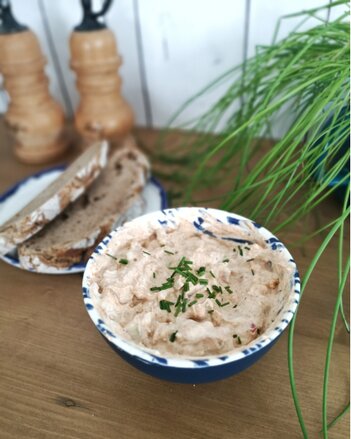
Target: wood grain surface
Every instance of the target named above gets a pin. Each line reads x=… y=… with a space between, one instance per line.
x=58 y=379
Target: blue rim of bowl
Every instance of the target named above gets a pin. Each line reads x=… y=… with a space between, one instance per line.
x=147 y=355
x=76 y=268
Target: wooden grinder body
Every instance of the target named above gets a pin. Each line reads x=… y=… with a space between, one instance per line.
x=34 y=119
x=102 y=111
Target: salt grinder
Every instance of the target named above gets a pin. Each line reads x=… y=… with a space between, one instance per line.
x=34 y=120
x=102 y=111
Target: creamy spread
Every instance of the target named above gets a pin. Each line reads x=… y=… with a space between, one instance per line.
x=181 y=292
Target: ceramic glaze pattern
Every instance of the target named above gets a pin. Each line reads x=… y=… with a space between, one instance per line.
x=196 y=216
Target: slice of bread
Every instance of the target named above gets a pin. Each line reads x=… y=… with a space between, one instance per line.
x=55 y=198
x=71 y=237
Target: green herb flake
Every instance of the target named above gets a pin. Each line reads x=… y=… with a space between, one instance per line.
x=210 y=311
x=258 y=331
x=253 y=273
x=225 y=260
x=185 y=287
x=230 y=291
x=154 y=275
x=165 y=286
x=235 y=306
x=218 y=302
x=247 y=248
x=250 y=260
x=211 y=273
x=240 y=250
x=201 y=271
x=166 y=305
x=123 y=261
x=111 y=256
x=199 y=295
x=239 y=340
x=168 y=252
x=235 y=335
x=203 y=281
x=192 y=303
x=172 y=337
x=147 y=253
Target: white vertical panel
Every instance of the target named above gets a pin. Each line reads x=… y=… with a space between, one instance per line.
x=62 y=16
x=120 y=18
x=27 y=12
x=265 y=15
x=186 y=45
x=65 y=14
x=337 y=11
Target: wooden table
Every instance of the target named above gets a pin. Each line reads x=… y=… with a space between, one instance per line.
x=58 y=379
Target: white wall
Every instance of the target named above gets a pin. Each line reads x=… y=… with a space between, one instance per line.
x=170 y=48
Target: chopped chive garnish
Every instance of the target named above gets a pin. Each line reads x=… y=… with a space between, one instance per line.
x=185 y=287
x=164 y=286
x=247 y=248
x=211 y=295
x=240 y=250
x=203 y=281
x=201 y=271
x=172 y=337
x=192 y=303
x=185 y=301
x=111 y=256
x=168 y=252
x=123 y=261
x=147 y=253
x=234 y=249
x=218 y=302
x=225 y=260
x=249 y=260
x=154 y=275
x=225 y=304
x=192 y=278
x=253 y=273
x=166 y=305
x=235 y=335
x=258 y=331
x=163 y=245
x=212 y=274
x=239 y=340
x=199 y=295
x=235 y=306
x=210 y=311
x=217 y=289
x=230 y=291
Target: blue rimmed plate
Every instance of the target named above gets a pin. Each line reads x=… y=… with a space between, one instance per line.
x=153 y=198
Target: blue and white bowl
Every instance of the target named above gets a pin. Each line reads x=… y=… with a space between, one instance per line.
x=200 y=370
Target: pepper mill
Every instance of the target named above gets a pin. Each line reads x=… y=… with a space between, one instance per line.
x=102 y=111
x=34 y=120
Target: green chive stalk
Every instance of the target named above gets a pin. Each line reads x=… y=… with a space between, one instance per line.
x=305 y=75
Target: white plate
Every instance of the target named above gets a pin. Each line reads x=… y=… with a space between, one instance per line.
x=153 y=198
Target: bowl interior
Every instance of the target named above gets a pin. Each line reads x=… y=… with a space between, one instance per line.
x=196 y=216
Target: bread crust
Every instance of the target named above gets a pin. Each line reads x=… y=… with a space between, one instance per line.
x=27 y=222
x=39 y=254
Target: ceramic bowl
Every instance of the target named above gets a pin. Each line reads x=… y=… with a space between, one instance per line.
x=199 y=370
